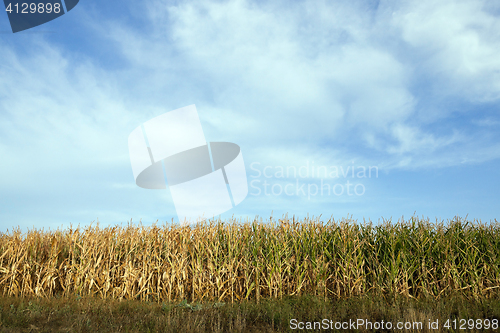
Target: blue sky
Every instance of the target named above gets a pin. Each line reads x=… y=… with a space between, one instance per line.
x=411 y=88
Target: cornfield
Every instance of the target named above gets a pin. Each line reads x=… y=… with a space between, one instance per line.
x=232 y=261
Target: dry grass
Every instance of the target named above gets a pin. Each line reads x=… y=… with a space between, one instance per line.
x=230 y=261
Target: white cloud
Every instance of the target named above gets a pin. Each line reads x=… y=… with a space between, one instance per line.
x=58 y=117
x=487 y=122
x=290 y=82
x=301 y=73
x=458 y=42
x=297 y=70
x=412 y=140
